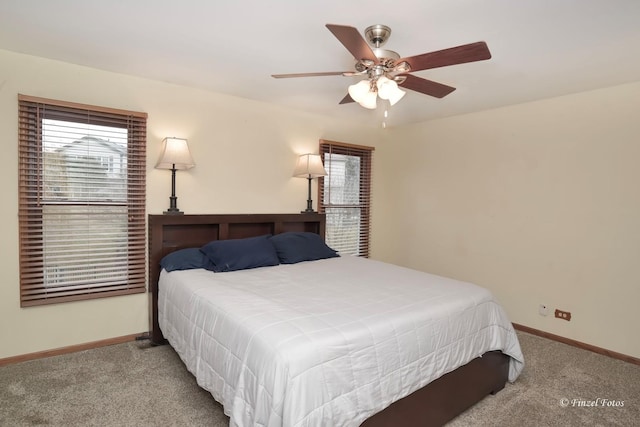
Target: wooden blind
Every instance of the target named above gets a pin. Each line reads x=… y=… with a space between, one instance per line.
x=81 y=213
x=345 y=196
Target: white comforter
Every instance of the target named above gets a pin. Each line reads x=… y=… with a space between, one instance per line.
x=325 y=343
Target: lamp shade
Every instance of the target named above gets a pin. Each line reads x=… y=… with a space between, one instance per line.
x=385 y=87
x=175 y=154
x=309 y=166
x=389 y=90
x=396 y=95
x=359 y=90
x=369 y=101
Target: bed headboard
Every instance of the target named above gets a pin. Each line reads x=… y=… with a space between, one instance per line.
x=168 y=233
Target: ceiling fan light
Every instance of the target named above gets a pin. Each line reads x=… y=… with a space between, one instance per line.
x=382 y=80
x=396 y=95
x=369 y=101
x=359 y=91
x=386 y=88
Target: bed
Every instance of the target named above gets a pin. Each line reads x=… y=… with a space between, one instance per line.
x=318 y=352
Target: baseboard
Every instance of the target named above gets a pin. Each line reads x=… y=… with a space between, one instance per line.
x=574 y=343
x=69 y=349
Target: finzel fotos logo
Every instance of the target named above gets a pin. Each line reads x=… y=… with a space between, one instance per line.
x=586 y=403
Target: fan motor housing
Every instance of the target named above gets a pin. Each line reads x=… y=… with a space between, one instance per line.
x=377 y=34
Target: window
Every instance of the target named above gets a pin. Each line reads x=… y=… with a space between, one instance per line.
x=345 y=196
x=82 y=201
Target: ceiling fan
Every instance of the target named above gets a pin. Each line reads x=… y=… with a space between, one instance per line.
x=386 y=71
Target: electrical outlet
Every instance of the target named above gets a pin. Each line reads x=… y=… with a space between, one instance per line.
x=563 y=315
x=543 y=310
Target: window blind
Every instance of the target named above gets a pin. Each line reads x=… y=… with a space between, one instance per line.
x=345 y=196
x=82 y=172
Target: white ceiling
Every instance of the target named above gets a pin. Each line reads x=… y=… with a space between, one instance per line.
x=540 y=48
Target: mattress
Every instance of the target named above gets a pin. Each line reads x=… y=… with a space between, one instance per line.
x=328 y=342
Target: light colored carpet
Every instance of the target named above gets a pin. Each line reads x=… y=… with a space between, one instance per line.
x=134 y=384
x=556 y=380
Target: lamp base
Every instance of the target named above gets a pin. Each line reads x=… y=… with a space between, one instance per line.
x=173 y=200
x=173 y=211
x=308 y=211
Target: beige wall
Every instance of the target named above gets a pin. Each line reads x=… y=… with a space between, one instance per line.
x=538 y=202
x=244 y=151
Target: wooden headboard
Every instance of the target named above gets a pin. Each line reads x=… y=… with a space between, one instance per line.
x=168 y=233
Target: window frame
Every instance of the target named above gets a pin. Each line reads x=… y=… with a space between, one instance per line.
x=365 y=153
x=33 y=289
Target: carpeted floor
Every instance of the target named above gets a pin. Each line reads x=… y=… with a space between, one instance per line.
x=133 y=384
x=557 y=382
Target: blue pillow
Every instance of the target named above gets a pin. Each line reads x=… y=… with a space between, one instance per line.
x=294 y=247
x=240 y=254
x=185 y=259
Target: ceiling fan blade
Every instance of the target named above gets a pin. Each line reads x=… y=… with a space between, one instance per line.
x=425 y=86
x=347 y=99
x=328 y=73
x=472 y=52
x=353 y=41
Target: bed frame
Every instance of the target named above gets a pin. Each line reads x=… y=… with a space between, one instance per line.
x=432 y=405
